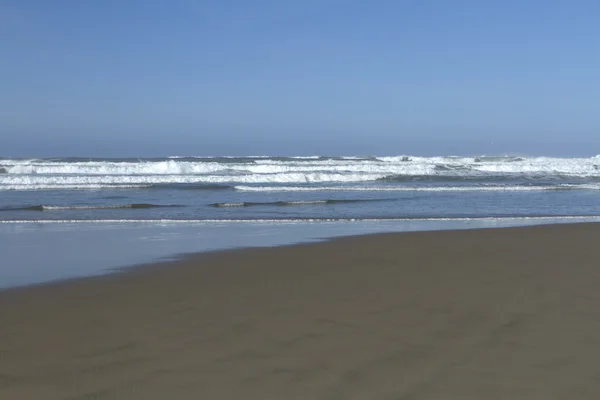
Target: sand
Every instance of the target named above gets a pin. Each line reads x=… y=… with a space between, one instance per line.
x=481 y=314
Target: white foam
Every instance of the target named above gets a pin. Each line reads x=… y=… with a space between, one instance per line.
x=71 y=187
x=170 y=167
x=78 y=181
x=232 y=205
x=59 y=208
x=51 y=174
x=173 y=167
x=516 y=188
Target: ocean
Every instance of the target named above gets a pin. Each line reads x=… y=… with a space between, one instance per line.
x=124 y=211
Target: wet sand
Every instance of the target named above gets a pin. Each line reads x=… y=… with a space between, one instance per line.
x=483 y=314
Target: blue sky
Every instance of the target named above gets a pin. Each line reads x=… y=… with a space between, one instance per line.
x=214 y=77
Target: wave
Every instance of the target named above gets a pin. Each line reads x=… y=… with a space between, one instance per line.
x=311 y=188
x=42 y=207
x=294 y=203
x=219 y=181
x=192 y=173
x=497 y=159
x=184 y=186
x=549 y=218
x=270 y=165
x=87 y=181
x=98 y=186
x=480 y=177
x=83 y=186
x=452 y=178
x=504 y=188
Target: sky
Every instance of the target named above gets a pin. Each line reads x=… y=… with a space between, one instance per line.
x=280 y=77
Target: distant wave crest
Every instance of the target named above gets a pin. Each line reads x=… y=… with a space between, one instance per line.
x=206 y=173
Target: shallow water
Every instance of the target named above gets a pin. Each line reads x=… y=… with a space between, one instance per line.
x=41 y=252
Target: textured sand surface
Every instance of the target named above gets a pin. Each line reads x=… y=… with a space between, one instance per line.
x=487 y=314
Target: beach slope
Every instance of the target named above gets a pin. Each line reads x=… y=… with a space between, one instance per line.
x=479 y=314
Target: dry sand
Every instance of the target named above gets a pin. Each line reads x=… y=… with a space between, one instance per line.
x=484 y=314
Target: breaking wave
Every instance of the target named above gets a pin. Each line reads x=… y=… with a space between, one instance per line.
x=185 y=186
x=496 y=188
x=199 y=173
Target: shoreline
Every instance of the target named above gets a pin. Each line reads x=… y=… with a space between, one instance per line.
x=74 y=255
x=174 y=260
x=498 y=312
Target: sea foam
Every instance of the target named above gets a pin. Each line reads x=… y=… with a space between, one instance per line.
x=77 y=174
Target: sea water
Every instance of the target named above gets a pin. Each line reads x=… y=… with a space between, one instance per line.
x=67 y=217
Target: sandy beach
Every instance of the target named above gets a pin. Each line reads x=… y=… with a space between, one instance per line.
x=480 y=314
